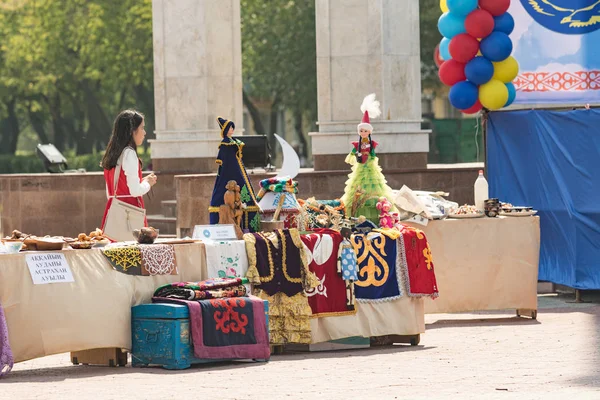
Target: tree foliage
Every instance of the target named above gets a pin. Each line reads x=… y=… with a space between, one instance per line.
x=67 y=67
x=430 y=37
x=279 y=59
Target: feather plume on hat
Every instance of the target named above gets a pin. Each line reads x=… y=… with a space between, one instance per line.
x=370 y=109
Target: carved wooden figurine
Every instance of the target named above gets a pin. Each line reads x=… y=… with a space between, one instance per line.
x=231 y=212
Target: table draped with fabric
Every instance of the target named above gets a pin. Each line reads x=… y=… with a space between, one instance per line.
x=94 y=311
x=484 y=263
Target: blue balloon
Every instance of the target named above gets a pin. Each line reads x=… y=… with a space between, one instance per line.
x=479 y=70
x=451 y=25
x=461 y=7
x=504 y=23
x=512 y=93
x=463 y=95
x=444 y=49
x=496 y=47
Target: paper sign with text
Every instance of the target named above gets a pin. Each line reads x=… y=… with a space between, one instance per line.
x=214 y=232
x=49 y=268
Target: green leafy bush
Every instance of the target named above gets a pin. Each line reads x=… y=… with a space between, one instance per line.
x=31 y=164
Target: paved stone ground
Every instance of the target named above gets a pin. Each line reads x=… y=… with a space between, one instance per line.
x=461 y=356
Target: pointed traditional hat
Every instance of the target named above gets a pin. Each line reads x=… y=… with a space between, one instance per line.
x=370 y=109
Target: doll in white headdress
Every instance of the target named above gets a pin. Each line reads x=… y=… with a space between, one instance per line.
x=366 y=183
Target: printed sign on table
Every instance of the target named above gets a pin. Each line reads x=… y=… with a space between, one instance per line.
x=214 y=232
x=48 y=268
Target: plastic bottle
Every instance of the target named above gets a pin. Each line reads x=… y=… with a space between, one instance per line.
x=481 y=191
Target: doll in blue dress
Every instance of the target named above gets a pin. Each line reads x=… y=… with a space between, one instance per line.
x=231 y=167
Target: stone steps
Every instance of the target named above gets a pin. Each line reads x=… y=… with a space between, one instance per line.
x=169 y=208
x=166 y=225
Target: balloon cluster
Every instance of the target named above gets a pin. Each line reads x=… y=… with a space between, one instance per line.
x=476 y=50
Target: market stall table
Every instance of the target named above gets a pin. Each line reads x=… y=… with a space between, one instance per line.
x=485 y=264
x=92 y=312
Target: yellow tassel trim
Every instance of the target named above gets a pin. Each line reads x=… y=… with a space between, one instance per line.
x=252 y=274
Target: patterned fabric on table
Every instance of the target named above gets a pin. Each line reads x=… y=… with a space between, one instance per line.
x=208 y=289
x=6 y=356
x=379 y=276
x=329 y=297
x=417 y=265
x=226 y=259
x=142 y=259
x=231 y=328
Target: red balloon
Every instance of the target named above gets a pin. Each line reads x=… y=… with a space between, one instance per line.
x=475 y=108
x=463 y=47
x=479 y=23
x=495 y=7
x=452 y=72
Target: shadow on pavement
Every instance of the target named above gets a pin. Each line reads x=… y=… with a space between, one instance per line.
x=57 y=374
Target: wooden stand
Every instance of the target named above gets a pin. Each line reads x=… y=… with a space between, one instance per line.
x=527 y=312
x=111 y=357
x=389 y=340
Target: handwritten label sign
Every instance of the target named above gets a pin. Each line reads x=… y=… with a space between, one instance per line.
x=214 y=232
x=49 y=268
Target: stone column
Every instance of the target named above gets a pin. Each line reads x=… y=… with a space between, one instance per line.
x=369 y=46
x=197 y=77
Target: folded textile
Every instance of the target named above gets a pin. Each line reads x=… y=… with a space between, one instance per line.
x=6 y=356
x=208 y=289
x=233 y=328
x=142 y=259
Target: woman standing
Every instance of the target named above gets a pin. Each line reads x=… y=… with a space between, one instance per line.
x=128 y=133
x=231 y=167
x=366 y=183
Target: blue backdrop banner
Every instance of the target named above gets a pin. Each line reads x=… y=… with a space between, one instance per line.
x=556 y=45
x=551 y=160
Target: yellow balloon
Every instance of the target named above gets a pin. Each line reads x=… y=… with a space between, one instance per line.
x=493 y=95
x=507 y=70
x=443 y=6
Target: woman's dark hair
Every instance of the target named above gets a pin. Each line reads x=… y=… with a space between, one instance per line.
x=122 y=136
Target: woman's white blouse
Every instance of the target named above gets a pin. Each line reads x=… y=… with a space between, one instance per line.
x=131 y=166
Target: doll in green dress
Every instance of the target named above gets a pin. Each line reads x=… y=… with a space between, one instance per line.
x=366 y=183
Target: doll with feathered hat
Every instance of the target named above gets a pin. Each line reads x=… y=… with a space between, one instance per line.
x=231 y=167
x=366 y=183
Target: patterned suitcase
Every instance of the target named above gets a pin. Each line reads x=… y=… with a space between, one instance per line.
x=161 y=336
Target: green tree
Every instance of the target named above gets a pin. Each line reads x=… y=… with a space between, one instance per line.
x=279 y=61
x=430 y=37
x=69 y=66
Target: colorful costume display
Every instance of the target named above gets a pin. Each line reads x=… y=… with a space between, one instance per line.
x=278 y=193
x=279 y=270
x=366 y=183
x=329 y=298
x=231 y=167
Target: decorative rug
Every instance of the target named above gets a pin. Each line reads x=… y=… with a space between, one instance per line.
x=379 y=275
x=417 y=265
x=232 y=328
